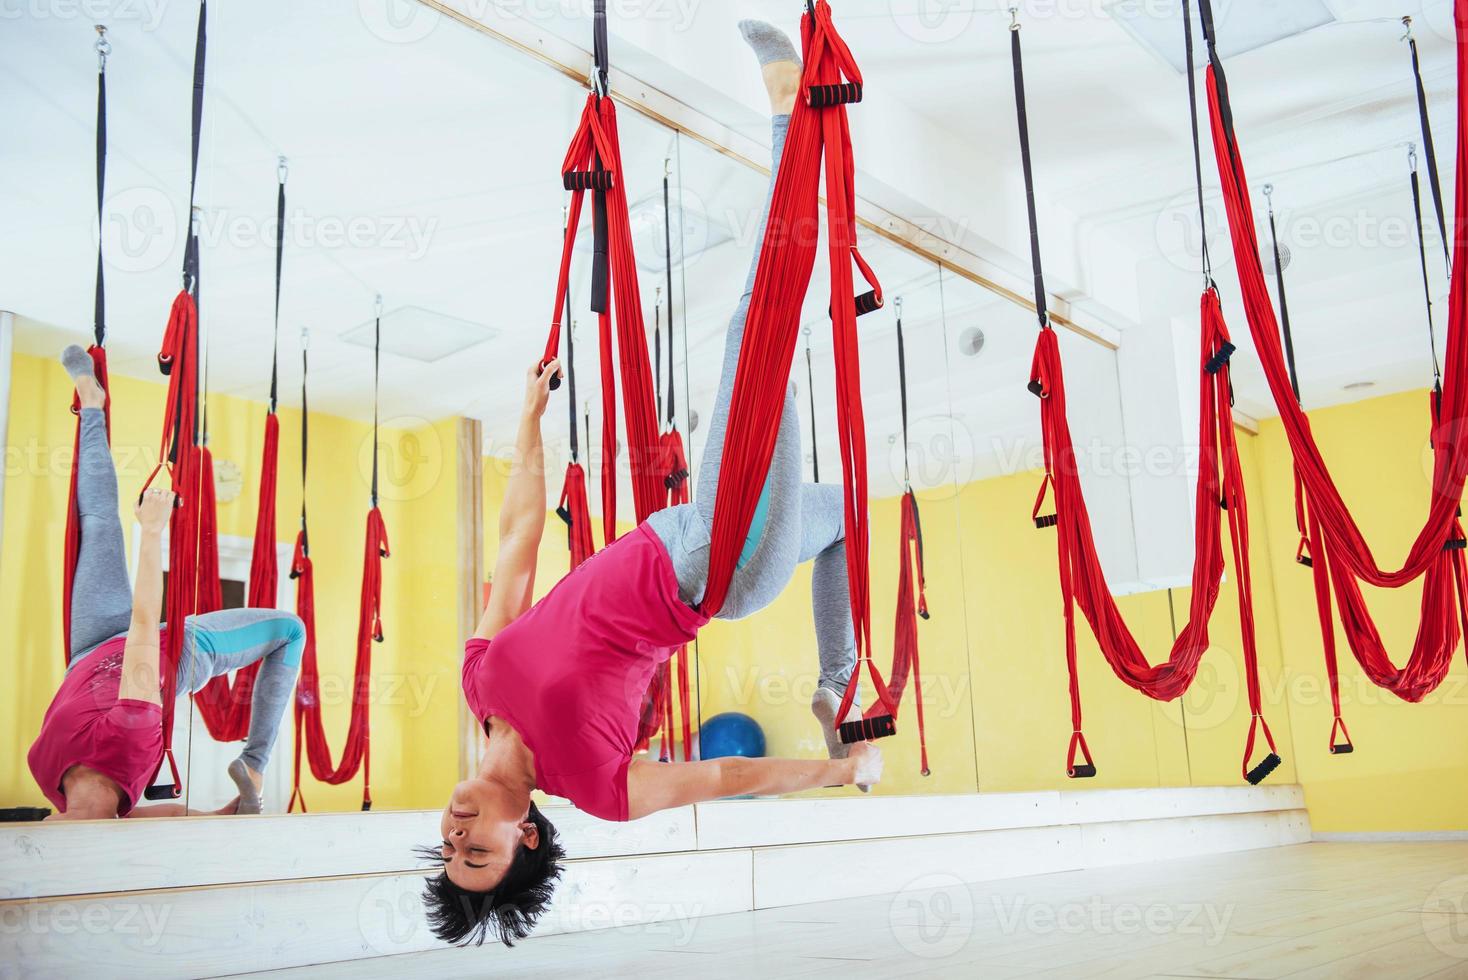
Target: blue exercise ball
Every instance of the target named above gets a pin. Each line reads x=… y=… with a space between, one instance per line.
x=731 y=734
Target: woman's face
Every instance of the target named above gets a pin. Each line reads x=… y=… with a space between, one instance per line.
x=483 y=825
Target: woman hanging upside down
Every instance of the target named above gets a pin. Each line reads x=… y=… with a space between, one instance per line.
x=558 y=686
x=102 y=738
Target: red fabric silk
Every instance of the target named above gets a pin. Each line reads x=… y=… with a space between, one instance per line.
x=1082 y=582
x=1338 y=550
x=310 y=732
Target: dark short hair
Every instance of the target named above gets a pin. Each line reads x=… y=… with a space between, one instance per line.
x=507 y=911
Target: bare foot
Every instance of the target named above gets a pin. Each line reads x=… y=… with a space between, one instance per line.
x=782 y=82
x=866 y=762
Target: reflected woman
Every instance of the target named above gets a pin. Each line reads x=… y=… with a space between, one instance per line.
x=558 y=685
x=102 y=738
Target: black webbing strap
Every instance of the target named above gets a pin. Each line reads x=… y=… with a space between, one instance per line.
x=1220 y=79
x=1429 y=148
x=1437 y=376
x=280 y=175
x=902 y=390
x=191 y=250
x=657 y=351
x=99 y=308
x=1197 y=142
x=376 y=389
x=1024 y=149
x=668 y=270
x=600 y=251
x=1284 y=303
x=570 y=365
x=305 y=426
x=810 y=387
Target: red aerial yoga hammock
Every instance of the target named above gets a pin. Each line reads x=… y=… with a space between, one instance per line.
x=912 y=600
x=225 y=707
x=1337 y=550
x=1220 y=487
x=180 y=448
x=818 y=128
x=594 y=162
x=72 y=546
x=310 y=732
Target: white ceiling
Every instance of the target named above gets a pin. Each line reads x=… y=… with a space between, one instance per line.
x=441 y=159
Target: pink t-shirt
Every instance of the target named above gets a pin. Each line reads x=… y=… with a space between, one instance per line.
x=88 y=725
x=569 y=674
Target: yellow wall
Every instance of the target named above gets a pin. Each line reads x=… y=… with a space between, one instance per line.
x=416 y=669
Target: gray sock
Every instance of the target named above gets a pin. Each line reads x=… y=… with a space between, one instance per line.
x=824 y=705
x=78 y=363
x=250 y=801
x=769 y=42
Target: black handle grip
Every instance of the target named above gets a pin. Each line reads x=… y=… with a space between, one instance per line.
x=1047 y=520
x=24 y=814
x=1455 y=544
x=1217 y=361
x=822 y=96
x=1261 y=772
x=1346 y=748
x=1305 y=560
x=564 y=515
x=1036 y=388
x=867 y=729
x=587 y=180
x=1085 y=770
x=674 y=478
x=163 y=791
x=867 y=302
x=555 y=382
x=366 y=805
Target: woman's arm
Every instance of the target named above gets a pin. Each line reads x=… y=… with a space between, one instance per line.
x=654 y=786
x=522 y=512
x=179 y=810
x=139 y=681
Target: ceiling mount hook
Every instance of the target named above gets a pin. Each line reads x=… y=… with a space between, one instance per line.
x=377 y=306
x=1407 y=28
x=1014 y=24
x=103 y=46
x=897 y=307
x=305 y=339
x=282 y=168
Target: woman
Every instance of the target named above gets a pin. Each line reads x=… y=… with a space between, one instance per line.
x=558 y=686
x=102 y=738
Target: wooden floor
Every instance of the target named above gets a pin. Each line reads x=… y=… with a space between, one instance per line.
x=1314 y=910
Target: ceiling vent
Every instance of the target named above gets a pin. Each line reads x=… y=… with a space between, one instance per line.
x=1243 y=25
x=421 y=335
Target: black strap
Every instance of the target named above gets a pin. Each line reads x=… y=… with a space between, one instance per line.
x=1428 y=147
x=1024 y=149
x=1284 y=305
x=1197 y=143
x=657 y=351
x=280 y=173
x=1220 y=80
x=99 y=309
x=376 y=390
x=668 y=269
x=902 y=389
x=191 y=250
x=570 y=359
x=305 y=426
x=1437 y=377
x=599 y=43
x=810 y=386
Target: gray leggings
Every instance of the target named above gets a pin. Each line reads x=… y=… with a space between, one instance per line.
x=795 y=522
x=214 y=643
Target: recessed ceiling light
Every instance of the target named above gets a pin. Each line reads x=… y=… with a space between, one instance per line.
x=1360 y=385
x=1243 y=25
x=422 y=335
